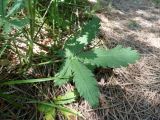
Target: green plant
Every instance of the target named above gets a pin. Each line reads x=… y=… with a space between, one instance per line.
x=58 y=105
x=7 y=21
x=77 y=59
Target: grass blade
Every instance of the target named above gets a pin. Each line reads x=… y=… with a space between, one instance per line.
x=13 y=82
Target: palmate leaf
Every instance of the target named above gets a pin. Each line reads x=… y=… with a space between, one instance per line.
x=65 y=73
x=79 y=63
x=85 y=36
x=113 y=58
x=85 y=82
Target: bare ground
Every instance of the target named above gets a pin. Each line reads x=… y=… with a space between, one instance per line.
x=132 y=93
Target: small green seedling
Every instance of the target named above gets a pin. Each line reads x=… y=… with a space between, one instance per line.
x=77 y=59
x=49 y=109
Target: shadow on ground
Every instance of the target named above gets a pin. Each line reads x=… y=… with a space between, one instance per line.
x=132 y=93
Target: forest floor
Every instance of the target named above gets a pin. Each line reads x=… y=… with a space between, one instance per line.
x=132 y=93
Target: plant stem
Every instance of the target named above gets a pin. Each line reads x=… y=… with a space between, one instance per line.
x=31 y=10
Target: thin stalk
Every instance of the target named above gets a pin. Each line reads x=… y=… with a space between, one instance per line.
x=44 y=19
x=2 y=8
x=40 y=45
x=3 y=48
x=48 y=62
x=17 y=51
x=15 y=82
x=32 y=17
x=55 y=21
x=78 y=20
x=7 y=40
x=31 y=9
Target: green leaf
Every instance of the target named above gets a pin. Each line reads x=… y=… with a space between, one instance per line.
x=69 y=97
x=49 y=111
x=7 y=23
x=7 y=26
x=16 y=23
x=3 y=47
x=19 y=23
x=14 y=82
x=50 y=116
x=89 y=31
x=3 y=7
x=65 y=73
x=113 y=58
x=16 y=6
x=86 y=35
x=70 y=114
x=85 y=82
x=1 y=22
x=44 y=107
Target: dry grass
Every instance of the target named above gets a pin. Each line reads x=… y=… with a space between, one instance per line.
x=132 y=93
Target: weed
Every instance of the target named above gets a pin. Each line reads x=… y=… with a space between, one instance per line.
x=22 y=21
x=76 y=59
